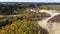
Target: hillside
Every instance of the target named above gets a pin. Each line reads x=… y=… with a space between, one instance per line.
x=28 y=15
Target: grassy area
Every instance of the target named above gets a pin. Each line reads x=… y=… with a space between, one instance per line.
x=56 y=7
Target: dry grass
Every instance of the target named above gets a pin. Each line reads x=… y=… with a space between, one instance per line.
x=57 y=7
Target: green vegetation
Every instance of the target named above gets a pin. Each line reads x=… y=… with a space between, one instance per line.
x=25 y=23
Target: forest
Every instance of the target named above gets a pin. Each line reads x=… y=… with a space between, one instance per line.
x=25 y=23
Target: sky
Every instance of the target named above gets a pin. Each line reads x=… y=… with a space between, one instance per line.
x=57 y=1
